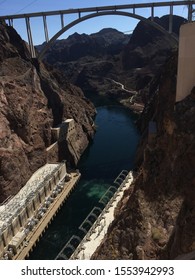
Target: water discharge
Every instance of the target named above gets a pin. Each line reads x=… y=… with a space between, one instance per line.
x=112 y=150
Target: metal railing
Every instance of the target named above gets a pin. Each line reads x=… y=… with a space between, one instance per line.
x=97 y=213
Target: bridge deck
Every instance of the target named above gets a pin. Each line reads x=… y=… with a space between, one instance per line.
x=98 y=9
x=129 y=10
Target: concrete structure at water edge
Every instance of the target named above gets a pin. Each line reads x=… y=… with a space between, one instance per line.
x=95 y=226
x=24 y=217
x=65 y=131
x=186 y=61
x=63 y=135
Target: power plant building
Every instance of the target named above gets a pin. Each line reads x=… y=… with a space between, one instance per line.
x=22 y=212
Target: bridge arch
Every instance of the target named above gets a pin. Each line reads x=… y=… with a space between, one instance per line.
x=106 y=13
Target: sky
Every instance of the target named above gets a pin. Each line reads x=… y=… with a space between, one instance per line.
x=123 y=24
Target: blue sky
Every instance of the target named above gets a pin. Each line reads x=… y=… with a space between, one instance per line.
x=123 y=24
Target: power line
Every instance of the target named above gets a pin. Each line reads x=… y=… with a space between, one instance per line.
x=28 y=5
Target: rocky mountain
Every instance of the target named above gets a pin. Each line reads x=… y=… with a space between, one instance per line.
x=112 y=64
x=157 y=219
x=146 y=53
x=108 y=41
x=87 y=59
x=34 y=99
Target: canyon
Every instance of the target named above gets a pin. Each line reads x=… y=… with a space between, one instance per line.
x=157 y=219
x=99 y=63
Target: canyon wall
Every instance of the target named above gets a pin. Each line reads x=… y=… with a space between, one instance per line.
x=99 y=63
x=33 y=99
x=157 y=221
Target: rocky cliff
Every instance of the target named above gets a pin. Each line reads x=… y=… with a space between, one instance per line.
x=115 y=65
x=89 y=60
x=157 y=220
x=108 y=41
x=148 y=50
x=34 y=99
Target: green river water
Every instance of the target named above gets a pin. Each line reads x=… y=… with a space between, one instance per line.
x=112 y=150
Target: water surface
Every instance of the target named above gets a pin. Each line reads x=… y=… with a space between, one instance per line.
x=112 y=150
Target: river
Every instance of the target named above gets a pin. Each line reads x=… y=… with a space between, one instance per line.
x=112 y=150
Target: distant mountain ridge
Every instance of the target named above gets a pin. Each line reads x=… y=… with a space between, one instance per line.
x=76 y=46
x=96 y=62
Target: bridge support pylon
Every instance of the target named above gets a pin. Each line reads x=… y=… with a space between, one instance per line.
x=30 y=40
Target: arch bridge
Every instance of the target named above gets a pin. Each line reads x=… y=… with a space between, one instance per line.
x=130 y=10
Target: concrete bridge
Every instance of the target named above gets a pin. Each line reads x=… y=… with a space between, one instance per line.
x=131 y=10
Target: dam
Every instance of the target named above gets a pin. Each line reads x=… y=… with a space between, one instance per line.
x=25 y=216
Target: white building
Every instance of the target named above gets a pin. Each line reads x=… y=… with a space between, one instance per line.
x=21 y=213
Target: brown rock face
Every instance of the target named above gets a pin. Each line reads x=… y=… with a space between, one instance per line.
x=158 y=220
x=32 y=100
x=98 y=61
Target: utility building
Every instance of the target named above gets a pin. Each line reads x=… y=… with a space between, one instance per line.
x=21 y=213
x=64 y=131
